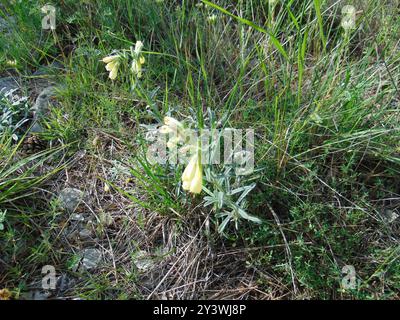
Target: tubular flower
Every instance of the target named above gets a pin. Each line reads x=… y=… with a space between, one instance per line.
x=192 y=177
x=112 y=65
x=137 y=67
x=138 y=60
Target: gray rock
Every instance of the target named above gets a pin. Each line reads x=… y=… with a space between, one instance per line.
x=85 y=234
x=71 y=235
x=42 y=106
x=90 y=259
x=70 y=198
x=77 y=217
x=64 y=283
x=7 y=25
x=8 y=84
x=37 y=295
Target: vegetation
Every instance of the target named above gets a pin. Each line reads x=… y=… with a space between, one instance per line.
x=317 y=81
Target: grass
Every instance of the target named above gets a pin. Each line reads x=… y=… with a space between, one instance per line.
x=323 y=103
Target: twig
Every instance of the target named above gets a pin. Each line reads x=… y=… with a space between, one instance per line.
x=287 y=247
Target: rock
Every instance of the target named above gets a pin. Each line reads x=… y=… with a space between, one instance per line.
x=7 y=84
x=7 y=25
x=70 y=198
x=42 y=106
x=37 y=295
x=71 y=235
x=85 y=234
x=90 y=259
x=64 y=283
x=77 y=217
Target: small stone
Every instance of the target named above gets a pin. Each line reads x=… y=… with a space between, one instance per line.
x=70 y=198
x=85 y=234
x=64 y=283
x=42 y=106
x=7 y=25
x=71 y=236
x=8 y=84
x=37 y=295
x=77 y=217
x=90 y=259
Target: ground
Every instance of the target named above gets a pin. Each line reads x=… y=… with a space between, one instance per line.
x=318 y=83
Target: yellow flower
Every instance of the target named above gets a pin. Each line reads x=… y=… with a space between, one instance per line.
x=138 y=59
x=212 y=18
x=110 y=58
x=192 y=177
x=11 y=63
x=112 y=65
x=137 y=67
x=5 y=294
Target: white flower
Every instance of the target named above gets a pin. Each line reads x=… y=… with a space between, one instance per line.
x=348 y=24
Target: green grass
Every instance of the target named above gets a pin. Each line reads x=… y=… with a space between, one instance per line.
x=324 y=104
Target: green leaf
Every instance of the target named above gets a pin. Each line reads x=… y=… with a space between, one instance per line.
x=246 y=216
x=317 y=6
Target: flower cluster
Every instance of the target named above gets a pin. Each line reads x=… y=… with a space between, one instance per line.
x=192 y=178
x=112 y=65
x=137 y=59
x=113 y=62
